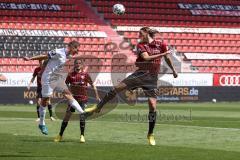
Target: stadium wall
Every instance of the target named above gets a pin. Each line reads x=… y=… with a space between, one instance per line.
x=20 y=95
x=188 y=87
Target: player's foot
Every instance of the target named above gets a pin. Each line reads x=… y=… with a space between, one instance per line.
x=52 y=119
x=151 y=140
x=38 y=119
x=58 y=138
x=91 y=110
x=43 y=129
x=94 y=109
x=82 y=139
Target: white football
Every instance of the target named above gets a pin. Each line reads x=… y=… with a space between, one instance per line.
x=214 y=100
x=30 y=102
x=118 y=9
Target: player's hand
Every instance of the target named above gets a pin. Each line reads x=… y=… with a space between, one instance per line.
x=28 y=87
x=166 y=53
x=175 y=74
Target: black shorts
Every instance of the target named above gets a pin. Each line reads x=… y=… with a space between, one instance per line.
x=39 y=92
x=146 y=81
x=82 y=104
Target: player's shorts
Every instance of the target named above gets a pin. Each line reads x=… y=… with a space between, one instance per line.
x=39 y=92
x=49 y=84
x=145 y=80
x=81 y=103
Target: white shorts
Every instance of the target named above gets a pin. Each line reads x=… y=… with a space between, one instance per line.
x=49 y=84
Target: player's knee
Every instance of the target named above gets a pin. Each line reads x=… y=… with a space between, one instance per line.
x=67 y=117
x=152 y=102
x=120 y=87
x=82 y=117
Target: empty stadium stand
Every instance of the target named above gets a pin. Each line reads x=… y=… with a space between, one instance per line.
x=208 y=26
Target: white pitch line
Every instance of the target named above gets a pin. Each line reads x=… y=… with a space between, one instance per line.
x=186 y=126
x=130 y=123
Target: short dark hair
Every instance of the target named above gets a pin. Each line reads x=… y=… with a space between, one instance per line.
x=150 y=31
x=74 y=44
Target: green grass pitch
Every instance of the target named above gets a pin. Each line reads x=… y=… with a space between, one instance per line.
x=185 y=131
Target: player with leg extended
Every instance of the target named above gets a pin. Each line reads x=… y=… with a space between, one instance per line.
x=78 y=81
x=54 y=77
x=149 y=54
x=38 y=73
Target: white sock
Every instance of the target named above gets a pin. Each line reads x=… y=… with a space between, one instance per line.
x=42 y=113
x=73 y=103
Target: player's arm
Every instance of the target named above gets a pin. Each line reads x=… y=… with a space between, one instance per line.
x=170 y=64
x=95 y=91
x=38 y=57
x=89 y=80
x=3 y=78
x=147 y=57
x=31 y=81
x=67 y=81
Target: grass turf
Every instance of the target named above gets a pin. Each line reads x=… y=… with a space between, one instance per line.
x=189 y=131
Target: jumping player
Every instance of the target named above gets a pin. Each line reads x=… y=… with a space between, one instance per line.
x=38 y=73
x=54 y=77
x=149 y=55
x=78 y=81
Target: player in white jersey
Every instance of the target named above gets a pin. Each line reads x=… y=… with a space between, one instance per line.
x=54 y=77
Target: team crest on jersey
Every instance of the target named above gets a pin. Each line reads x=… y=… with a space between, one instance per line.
x=83 y=76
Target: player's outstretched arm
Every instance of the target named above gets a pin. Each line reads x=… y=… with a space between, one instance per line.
x=31 y=82
x=147 y=57
x=96 y=92
x=170 y=64
x=38 y=57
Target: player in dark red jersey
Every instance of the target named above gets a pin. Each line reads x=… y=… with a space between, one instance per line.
x=38 y=73
x=78 y=81
x=149 y=55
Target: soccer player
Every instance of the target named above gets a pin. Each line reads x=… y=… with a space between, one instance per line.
x=54 y=77
x=78 y=81
x=149 y=55
x=38 y=73
x=3 y=78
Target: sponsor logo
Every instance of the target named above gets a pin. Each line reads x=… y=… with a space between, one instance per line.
x=229 y=80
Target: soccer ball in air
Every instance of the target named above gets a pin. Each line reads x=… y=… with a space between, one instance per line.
x=118 y=9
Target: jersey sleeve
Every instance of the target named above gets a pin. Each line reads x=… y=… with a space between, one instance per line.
x=52 y=54
x=164 y=47
x=89 y=79
x=140 y=49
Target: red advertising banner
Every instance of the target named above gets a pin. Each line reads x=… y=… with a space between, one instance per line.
x=226 y=80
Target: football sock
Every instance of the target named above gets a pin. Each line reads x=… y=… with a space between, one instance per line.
x=50 y=110
x=73 y=103
x=82 y=123
x=109 y=96
x=42 y=113
x=63 y=126
x=152 y=120
x=38 y=110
